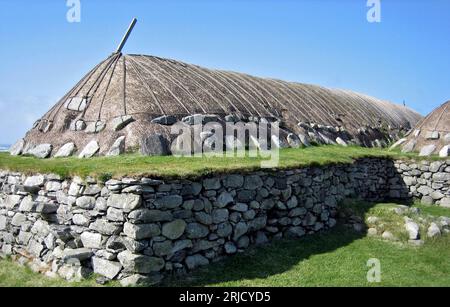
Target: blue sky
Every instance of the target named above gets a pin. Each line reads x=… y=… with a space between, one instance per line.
x=326 y=42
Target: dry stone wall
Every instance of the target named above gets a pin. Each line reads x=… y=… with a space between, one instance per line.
x=143 y=229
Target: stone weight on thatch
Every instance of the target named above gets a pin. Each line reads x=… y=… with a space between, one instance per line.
x=155 y=145
x=41 y=151
x=65 y=151
x=90 y=150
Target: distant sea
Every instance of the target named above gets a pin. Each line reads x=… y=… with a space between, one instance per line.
x=4 y=147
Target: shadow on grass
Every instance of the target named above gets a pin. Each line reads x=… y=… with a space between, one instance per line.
x=276 y=257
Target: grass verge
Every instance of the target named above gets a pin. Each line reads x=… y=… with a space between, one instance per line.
x=175 y=167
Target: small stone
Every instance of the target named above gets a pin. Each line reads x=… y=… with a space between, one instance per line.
x=174 y=230
x=432 y=135
x=141 y=231
x=121 y=122
x=413 y=230
x=220 y=215
x=141 y=280
x=117 y=148
x=433 y=230
x=293 y=140
x=104 y=227
x=115 y=215
x=224 y=199
x=372 y=232
x=125 y=202
x=34 y=183
x=91 y=240
x=79 y=254
x=106 y=268
x=427 y=150
x=196 y=231
x=230 y=248
x=387 y=235
x=86 y=202
x=166 y=120
x=253 y=182
x=341 y=142
x=95 y=127
x=169 y=202
x=211 y=184
x=143 y=216
x=233 y=181
x=140 y=263
x=89 y=150
x=65 y=151
x=195 y=261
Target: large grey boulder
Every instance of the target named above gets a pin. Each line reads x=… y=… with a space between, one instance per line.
x=104 y=227
x=427 y=150
x=121 y=122
x=41 y=151
x=17 y=148
x=117 y=148
x=106 y=268
x=155 y=145
x=89 y=150
x=65 y=151
x=166 y=120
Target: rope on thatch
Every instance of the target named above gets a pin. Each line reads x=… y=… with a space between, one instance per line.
x=162 y=84
x=149 y=90
x=106 y=90
x=444 y=110
x=191 y=71
x=180 y=85
x=124 y=89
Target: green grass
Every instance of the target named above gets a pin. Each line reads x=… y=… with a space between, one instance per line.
x=14 y=275
x=169 y=166
x=334 y=258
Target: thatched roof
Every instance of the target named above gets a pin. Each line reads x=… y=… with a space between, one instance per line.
x=431 y=131
x=146 y=87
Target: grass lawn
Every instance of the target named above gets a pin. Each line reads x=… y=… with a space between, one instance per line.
x=334 y=258
x=169 y=166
